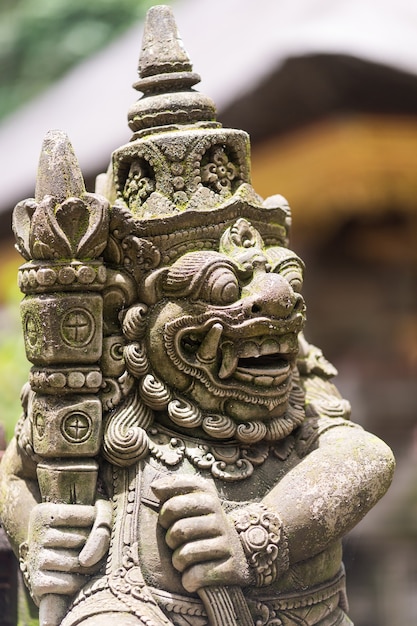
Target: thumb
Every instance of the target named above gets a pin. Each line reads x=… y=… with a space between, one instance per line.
x=98 y=540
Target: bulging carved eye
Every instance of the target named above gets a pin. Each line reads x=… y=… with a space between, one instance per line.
x=297 y=285
x=285 y=262
x=221 y=287
x=293 y=274
x=292 y=269
x=295 y=279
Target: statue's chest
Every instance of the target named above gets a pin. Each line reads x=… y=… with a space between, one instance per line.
x=139 y=538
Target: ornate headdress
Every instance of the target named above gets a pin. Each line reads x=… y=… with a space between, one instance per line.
x=182 y=179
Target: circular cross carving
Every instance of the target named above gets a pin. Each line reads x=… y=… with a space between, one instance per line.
x=40 y=424
x=77 y=327
x=76 y=427
x=31 y=330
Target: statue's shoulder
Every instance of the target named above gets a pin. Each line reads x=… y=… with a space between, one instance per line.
x=325 y=408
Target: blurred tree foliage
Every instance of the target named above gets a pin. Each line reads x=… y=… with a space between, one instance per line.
x=14 y=367
x=42 y=39
x=39 y=41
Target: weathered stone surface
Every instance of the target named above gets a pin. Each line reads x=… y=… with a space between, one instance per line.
x=183 y=457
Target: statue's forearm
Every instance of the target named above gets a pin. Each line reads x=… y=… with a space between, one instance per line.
x=19 y=493
x=330 y=490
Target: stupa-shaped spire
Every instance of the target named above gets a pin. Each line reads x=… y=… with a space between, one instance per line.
x=59 y=173
x=166 y=78
x=162 y=48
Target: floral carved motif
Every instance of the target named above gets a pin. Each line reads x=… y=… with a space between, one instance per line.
x=218 y=170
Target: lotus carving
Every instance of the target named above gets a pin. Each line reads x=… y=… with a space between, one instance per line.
x=63 y=221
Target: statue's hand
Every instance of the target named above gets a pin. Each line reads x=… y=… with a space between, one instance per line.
x=206 y=547
x=66 y=543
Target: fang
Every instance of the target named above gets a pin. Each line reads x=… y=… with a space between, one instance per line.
x=207 y=352
x=229 y=361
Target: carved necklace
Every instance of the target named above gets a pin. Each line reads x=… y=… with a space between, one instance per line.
x=228 y=461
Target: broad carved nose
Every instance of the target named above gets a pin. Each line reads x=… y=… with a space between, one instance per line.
x=271 y=295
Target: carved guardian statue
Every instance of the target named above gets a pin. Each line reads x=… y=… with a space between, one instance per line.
x=183 y=456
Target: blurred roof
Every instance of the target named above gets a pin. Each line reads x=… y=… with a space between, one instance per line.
x=240 y=48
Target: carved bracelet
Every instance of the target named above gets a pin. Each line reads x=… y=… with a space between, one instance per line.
x=23 y=553
x=264 y=542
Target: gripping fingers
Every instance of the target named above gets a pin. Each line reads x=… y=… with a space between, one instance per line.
x=98 y=540
x=61 y=583
x=186 y=505
x=189 y=554
x=167 y=487
x=192 y=529
x=59 y=561
x=207 y=574
x=66 y=515
x=54 y=538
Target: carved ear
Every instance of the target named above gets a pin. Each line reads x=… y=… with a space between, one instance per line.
x=152 y=290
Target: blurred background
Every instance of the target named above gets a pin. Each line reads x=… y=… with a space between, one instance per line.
x=327 y=90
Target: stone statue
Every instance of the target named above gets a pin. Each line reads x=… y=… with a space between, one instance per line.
x=183 y=456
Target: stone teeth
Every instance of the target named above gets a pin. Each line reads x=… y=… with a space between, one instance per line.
x=263 y=381
x=278 y=380
x=274 y=371
x=270 y=346
x=243 y=376
x=249 y=350
x=229 y=361
x=285 y=348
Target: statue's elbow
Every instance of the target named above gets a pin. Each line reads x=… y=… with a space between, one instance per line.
x=375 y=465
x=382 y=460
x=364 y=464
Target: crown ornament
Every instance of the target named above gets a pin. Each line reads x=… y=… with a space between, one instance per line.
x=183 y=178
x=166 y=79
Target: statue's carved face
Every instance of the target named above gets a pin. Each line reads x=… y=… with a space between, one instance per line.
x=223 y=326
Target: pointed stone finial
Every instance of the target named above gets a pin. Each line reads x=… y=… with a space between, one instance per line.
x=166 y=78
x=162 y=48
x=64 y=221
x=59 y=173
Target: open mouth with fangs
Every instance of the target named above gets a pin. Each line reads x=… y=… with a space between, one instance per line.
x=264 y=361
